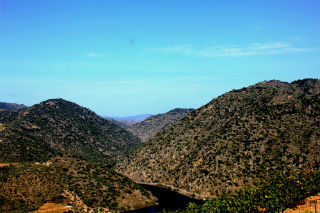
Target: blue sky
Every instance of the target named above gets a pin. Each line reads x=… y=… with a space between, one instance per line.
x=130 y=57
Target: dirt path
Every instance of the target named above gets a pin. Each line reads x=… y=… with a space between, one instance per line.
x=307 y=206
x=53 y=208
x=7 y=164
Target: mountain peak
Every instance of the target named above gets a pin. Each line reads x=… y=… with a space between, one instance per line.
x=58 y=101
x=58 y=126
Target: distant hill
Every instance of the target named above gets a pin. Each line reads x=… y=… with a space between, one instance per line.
x=153 y=124
x=69 y=181
x=56 y=126
x=11 y=106
x=9 y=111
x=235 y=139
x=128 y=120
x=119 y=123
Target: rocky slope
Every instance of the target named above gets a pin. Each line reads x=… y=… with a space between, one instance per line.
x=56 y=126
x=77 y=183
x=153 y=124
x=235 y=139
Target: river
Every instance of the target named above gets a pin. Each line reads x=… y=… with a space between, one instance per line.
x=167 y=199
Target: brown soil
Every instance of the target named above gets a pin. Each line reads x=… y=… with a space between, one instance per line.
x=53 y=208
x=307 y=206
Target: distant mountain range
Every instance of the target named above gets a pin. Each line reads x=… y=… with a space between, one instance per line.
x=11 y=106
x=131 y=118
x=235 y=140
x=155 y=123
x=56 y=126
x=127 y=121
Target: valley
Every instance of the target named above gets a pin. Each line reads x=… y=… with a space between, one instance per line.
x=159 y=106
x=241 y=147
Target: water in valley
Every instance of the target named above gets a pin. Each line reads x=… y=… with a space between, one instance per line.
x=167 y=199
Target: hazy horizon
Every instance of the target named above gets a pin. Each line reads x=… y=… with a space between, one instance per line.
x=127 y=116
x=124 y=58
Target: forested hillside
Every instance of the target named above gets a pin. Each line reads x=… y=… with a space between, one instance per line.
x=56 y=126
x=235 y=139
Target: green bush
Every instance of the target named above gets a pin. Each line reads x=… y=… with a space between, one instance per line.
x=275 y=194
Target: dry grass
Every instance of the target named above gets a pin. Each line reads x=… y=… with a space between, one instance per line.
x=307 y=206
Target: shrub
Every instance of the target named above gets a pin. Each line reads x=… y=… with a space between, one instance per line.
x=275 y=194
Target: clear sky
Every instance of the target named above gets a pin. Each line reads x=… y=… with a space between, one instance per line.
x=127 y=57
